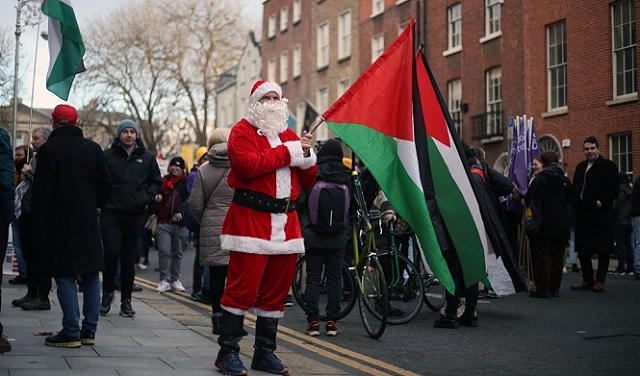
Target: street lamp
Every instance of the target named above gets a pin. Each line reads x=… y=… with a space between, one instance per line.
x=31 y=16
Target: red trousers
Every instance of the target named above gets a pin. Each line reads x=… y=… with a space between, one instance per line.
x=262 y=281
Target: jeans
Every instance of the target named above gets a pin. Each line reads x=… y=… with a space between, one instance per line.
x=17 y=248
x=68 y=298
x=573 y=255
x=331 y=260
x=635 y=225
x=624 y=248
x=170 y=239
x=206 y=274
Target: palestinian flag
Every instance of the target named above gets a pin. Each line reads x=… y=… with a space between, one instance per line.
x=376 y=119
x=66 y=47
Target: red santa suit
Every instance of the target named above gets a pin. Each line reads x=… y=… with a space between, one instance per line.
x=264 y=246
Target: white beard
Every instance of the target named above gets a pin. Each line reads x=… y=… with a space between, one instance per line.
x=270 y=117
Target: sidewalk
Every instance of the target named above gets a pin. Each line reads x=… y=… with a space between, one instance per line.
x=147 y=344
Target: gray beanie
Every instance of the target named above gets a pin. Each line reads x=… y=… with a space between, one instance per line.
x=126 y=123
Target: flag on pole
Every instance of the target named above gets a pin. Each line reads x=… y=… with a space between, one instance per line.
x=310 y=115
x=524 y=148
x=400 y=149
x=66 y=47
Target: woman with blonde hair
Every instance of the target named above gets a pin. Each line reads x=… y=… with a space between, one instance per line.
x=209 y=202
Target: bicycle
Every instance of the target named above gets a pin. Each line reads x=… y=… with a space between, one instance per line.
x=366 y=279
x=409 y=281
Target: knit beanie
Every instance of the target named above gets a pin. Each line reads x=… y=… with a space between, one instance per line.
x=126 y=123
x=331 y=148
x=177 y=161
x=200 y=152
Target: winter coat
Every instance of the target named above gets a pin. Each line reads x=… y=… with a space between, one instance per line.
x=136 y=178
x=594 y=226
x=551 y=193
x=330 y=169
x=172 y=200
x=622 y=207
x=634 y=210
x=70 y=184
x=209 y=202
x=274 y=166
x=6 y=178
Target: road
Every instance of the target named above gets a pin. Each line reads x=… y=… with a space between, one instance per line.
x=579 y=333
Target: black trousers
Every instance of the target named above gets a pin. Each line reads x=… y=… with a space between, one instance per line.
x=587 y=267
x=469 y=293
x=36 y=282
x=120 y=236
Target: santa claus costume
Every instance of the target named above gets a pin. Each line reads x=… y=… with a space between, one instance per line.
x=261 y=229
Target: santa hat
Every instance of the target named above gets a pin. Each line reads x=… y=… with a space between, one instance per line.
x=261 y=88
x=64 y=114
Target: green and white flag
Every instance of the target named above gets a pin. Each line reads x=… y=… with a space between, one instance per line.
x=66 y=48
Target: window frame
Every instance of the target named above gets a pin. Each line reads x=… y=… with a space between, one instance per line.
x=494 y=105
x=284 y=66
x=376 y=50
x=284 y=18
x=297 y=61
x=271 y=70
x=616 y=155
x=454 y=102
x=377 y=7
x=492 y=22
x=344 y=34
x=454 y=29
x=343 y=86
x=271 y=26
x=557 y=67
x=322 y=46
x=297 y=11
x=322 y=104
x=621 y=69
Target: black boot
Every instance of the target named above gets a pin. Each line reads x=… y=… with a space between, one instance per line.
x=447 y=321
x=232 y=331
x=29 y=296
x=216 y=322
x=265 y=344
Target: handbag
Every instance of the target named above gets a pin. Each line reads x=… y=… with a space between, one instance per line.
x=152 y=223
x=531 y=223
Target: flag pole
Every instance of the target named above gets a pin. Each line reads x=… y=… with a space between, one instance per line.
x=319 y=120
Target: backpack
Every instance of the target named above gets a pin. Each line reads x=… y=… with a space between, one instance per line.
x=329 y=206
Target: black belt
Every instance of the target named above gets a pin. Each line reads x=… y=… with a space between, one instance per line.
x=262 y=202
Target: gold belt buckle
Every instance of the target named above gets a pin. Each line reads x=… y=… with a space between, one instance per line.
x=286 y=207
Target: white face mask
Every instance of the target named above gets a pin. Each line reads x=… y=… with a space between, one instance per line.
x=270 y=117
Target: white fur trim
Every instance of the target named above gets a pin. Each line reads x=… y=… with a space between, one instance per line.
x=271 y=314
x=259 y=246
x=264 y=89
x=295 y=150
x=309 y=161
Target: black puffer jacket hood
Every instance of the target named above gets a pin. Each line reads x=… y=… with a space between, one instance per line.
x=551 y=176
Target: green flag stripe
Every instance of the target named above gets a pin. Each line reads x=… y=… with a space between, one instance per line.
x=380 y=153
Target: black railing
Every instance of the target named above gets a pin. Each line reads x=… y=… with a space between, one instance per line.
x=488 y=127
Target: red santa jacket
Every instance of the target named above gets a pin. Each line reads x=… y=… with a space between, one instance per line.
x=271 y=165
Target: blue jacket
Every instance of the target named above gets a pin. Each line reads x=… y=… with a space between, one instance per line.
x=6 y=178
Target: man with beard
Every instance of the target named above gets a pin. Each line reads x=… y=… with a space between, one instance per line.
x=269 y=164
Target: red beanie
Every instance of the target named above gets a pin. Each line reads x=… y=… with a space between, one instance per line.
x=64 y=114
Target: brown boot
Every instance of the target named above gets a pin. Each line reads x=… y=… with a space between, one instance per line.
x=582 y=286
x=598 y=286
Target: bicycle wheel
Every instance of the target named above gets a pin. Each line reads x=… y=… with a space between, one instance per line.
x=434 y=293
x=348 y=287
x=372 y=297
x=404 y=286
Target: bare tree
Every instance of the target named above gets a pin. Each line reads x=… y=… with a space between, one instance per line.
x=6 y=57
x=159 y=61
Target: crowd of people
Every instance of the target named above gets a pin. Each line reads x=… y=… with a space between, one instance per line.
x=251 y=196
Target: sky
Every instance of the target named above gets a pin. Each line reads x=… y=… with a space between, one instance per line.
x=85 y=11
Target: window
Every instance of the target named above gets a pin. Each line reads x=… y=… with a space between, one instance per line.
x=300 y=112
x=402 y=26
x=454 y=14
x=377 y=7
x=377 y=46
x=621 y=151
x=322 y=59
x=343 y=86
x=271 y=31
x=625 y=68
x=344 y=34
x=297 y=11
x=284 y=19
x=271 y=70
x=494 y=101
x=284 y=66
x=557 y=64
x=322 y=104
x=297 y=61
x=492 y=16
x=454 y=91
